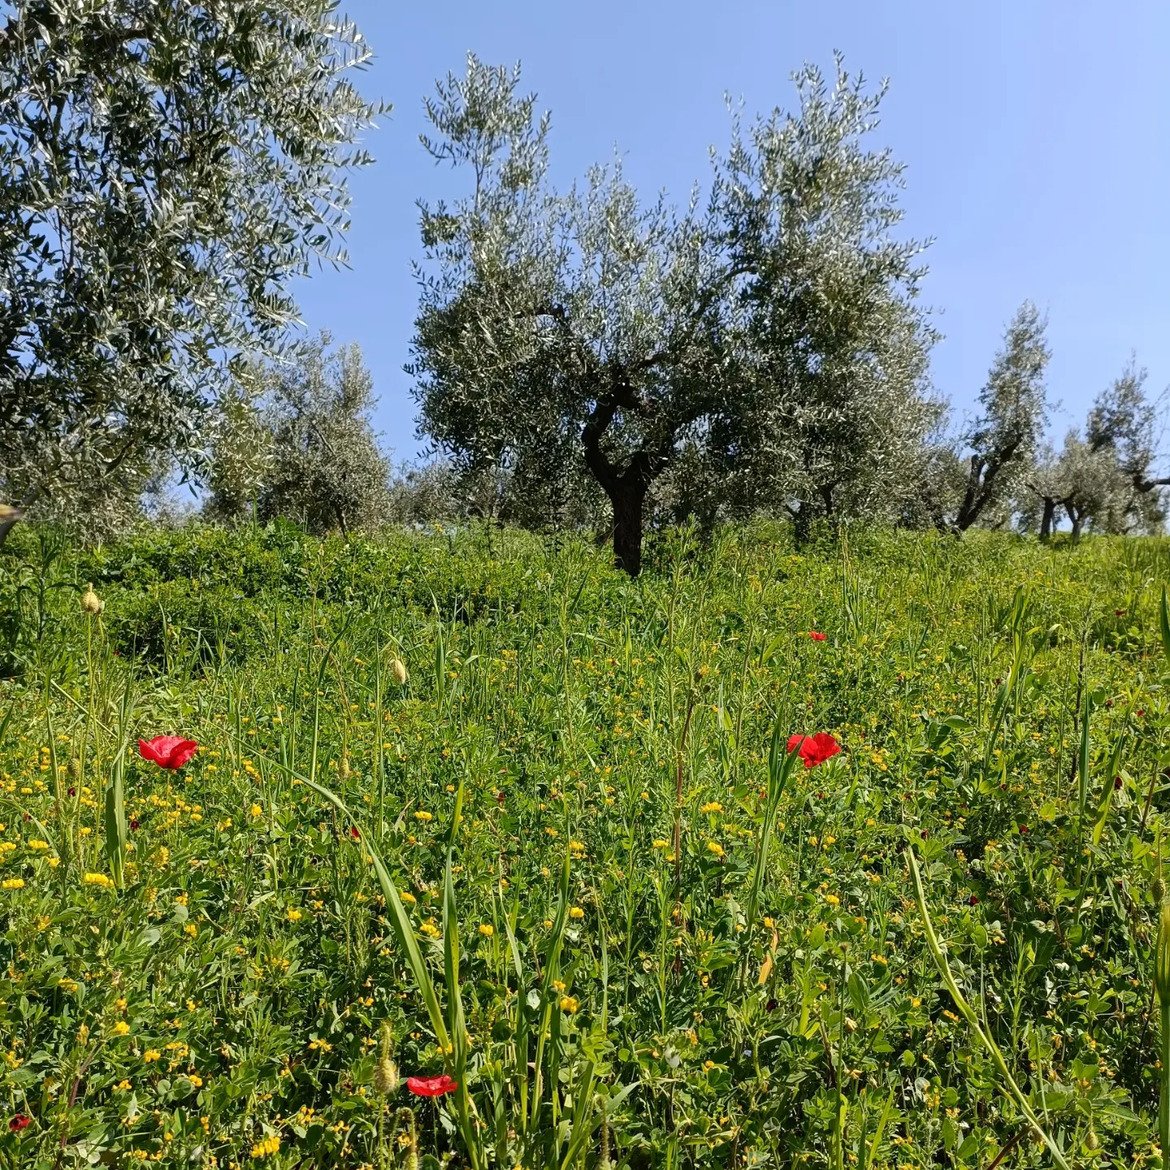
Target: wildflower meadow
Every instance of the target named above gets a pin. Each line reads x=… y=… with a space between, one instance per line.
x=462 y=848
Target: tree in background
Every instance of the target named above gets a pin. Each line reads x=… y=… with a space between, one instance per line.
x=1006 y=438
x=1102 y=480
x=1044 y=492
x=1095 y=490
x=326 y=471
x=1123 y=422
x=241 y=457
x=166 y=170
x=770 y=331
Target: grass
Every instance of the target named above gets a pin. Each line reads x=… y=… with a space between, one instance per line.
x=569 y=862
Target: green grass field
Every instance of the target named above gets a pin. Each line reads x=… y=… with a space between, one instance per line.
x=569 y=862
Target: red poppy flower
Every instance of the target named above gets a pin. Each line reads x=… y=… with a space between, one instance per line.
x=431 y=1086
x=19 y=1122
x=134 y=823
x=168 y=751
x=355 y=832
x=814 y=749
x=817 y=636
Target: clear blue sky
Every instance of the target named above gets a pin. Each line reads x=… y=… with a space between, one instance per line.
x=1036 y=134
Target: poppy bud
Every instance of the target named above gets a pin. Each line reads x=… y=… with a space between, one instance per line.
x=1158 y=890
x=343 y=767
x=1162 y=956
x=75 y=769
x=90 y=601
x=398 y=671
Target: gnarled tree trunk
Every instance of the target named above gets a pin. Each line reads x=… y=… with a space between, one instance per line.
x=628 y=501
x=1048 y=519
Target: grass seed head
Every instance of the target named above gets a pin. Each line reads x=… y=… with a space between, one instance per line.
x=385 y=1071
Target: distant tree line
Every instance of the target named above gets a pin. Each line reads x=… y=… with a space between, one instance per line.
x=581 y=358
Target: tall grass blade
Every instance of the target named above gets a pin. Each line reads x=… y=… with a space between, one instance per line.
x=969 y=1014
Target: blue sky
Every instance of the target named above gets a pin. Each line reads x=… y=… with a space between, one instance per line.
x=1036 y=135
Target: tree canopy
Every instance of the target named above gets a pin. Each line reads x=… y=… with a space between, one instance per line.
x=166 y=170
x=770 y=328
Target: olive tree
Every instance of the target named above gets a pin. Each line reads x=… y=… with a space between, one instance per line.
x=767 y=331
x=241 y=458
x=166 y=170
x=1125 y=424
x=1006 y=438
x=327 y=471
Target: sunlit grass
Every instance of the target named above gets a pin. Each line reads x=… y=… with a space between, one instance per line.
x=487 y=809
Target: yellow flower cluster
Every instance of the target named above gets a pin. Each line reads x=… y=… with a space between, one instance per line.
x=266 y=1147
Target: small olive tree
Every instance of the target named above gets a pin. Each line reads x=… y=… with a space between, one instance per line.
x=1125 y=423
x=1006 y=438
x=326 y=470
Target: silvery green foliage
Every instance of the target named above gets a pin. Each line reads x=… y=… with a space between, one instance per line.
x=1124 y=422
x=166 y=169
x=326 y=471
x=1096 y=490
x=1006 y=437
x=830 y=406
x=768 y=330
x=241 y=456
x=106 y=508
x=425 y=493
x=1104 y=480
x=935 y=483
